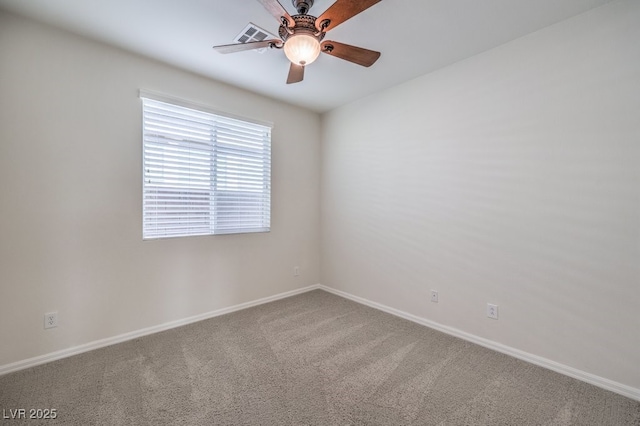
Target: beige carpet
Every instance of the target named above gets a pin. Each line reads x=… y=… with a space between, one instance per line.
x=311 y=359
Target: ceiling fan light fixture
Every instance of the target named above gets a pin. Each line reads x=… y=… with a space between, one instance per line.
x=302 y=49
x=300 y=35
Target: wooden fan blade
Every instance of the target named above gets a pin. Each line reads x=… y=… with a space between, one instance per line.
x=296 y=73
x=357 y=55
x=341 y=11
x=239 y=47
x=275 y=8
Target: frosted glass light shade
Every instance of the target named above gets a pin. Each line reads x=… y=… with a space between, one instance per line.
x=302 y=49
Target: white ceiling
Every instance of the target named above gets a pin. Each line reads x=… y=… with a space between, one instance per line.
x=414 y=36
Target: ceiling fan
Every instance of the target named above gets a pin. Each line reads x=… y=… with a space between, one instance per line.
x=301 y=35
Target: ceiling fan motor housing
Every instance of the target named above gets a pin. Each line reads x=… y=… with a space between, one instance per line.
x=305 y=24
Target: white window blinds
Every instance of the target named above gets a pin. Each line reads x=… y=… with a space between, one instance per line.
x=203 y=173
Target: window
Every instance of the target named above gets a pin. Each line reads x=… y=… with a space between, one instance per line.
x=203 y=173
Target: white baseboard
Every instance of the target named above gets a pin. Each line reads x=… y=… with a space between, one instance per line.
x=601 y=382
x=64 y=353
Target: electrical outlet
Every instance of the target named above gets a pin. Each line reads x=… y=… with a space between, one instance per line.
x=434 y=296
x=492 y=311
x=51 y=320
x=296 y=271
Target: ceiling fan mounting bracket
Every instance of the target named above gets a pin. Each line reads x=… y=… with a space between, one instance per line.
x=302 y=6
x=284 y=22
x=324 y=24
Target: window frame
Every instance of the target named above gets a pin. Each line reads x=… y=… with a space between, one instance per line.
x=244 y=164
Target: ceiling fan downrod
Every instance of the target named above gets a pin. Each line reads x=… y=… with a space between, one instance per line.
x=302 y=6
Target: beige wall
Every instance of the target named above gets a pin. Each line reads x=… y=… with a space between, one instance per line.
x=512 y=177
x=70 y=198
